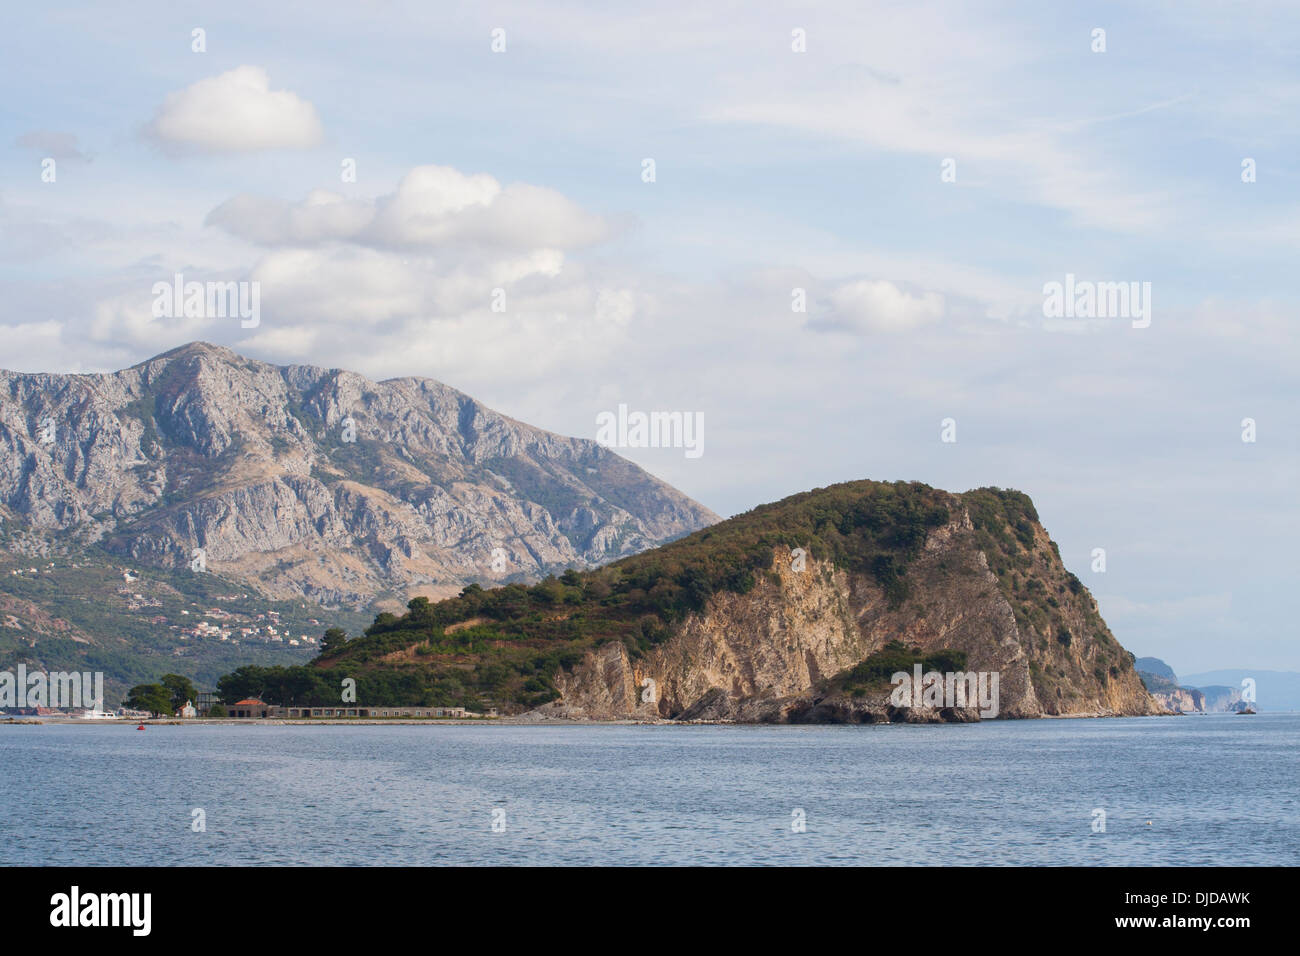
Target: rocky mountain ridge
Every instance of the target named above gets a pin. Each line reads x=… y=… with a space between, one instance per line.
x=311 y=483
x=1174 y=696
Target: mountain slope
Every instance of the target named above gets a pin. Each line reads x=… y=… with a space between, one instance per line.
x=87 y=615
x=313 y=483
x=1162 y=683
x=733 y=622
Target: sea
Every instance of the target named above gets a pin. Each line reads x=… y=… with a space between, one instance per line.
x=1194 y=790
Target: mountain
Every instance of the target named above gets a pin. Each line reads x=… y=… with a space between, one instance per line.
x=316 y=488
x=1161 y=681
x=1219 y=692
x=1274 y=690
x=795 y=611
x=311 y=482
x=1156 y=667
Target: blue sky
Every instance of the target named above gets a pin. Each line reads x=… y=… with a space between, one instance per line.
x=775 y=170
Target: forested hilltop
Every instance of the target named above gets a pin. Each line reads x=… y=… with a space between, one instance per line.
x=863 y=568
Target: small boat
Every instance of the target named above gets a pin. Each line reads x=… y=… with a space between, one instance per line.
x=96 y=715
x=141 y=727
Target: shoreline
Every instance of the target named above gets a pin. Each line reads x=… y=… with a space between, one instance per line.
x=505 y=721
x=336 y=722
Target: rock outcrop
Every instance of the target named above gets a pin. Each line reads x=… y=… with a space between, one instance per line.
x=762 y=656
x=1179 y=700
x=1219 y=699
x=767 y=654
x=805 y=609
x=1165 y=688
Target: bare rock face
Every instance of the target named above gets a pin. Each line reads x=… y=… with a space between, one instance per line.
x=311 y=482
x=1163 y=685
x=1180 y=700
x=765 y=655
x=1218 y=699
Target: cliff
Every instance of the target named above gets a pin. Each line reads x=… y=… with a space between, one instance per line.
x=1218 y=699
x=794 y=611
x=1178 y=698
x=766 y=655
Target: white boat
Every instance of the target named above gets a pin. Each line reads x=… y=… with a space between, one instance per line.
x=96 y=715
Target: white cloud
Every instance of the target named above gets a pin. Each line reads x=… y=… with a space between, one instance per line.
x=322 y=216
x=349 y=278
x=935 y=81
x=29 y=345
x=876 y=305
x=127 y=319
x=356 y=286
x=375 y=312
x=433 y=206
x=237 y=111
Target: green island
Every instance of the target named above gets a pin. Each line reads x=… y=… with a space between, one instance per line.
x=502 y=647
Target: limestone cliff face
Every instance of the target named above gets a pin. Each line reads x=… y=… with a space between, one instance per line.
x=311 y=482
x=1218 y=699
x=1180 y=700
x=764 y=655
x=1162 y=683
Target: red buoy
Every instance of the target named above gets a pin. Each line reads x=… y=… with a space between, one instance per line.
x=141 y=727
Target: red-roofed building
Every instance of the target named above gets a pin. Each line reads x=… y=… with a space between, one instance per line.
x=251 y=707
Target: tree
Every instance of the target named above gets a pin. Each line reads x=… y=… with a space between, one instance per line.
x=549 y=591
x=246 y=681
x=333 y=640
x=155 y=698
x=217 y=710
x=179 y=689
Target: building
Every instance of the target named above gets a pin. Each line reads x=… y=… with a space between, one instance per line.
x=305 y=712
x=189 y=710
x=252 y=708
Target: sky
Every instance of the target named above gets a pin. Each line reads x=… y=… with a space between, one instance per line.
x=562 y=208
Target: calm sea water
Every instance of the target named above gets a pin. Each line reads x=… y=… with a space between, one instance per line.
x=1217 y=790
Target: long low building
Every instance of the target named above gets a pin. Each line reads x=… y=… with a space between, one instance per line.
x=255 y=709
x=304 y=712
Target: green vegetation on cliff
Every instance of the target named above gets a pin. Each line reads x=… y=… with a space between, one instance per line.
x=504 y=645
x=877 y=670
x=1041 y=593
